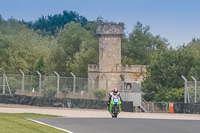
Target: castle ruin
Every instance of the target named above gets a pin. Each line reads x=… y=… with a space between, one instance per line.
x=109 y=72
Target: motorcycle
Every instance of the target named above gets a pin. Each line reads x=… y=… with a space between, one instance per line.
x=115 y=106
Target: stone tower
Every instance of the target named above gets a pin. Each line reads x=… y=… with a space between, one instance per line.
x=109 y=68
x=109 y=46
x=109 y=49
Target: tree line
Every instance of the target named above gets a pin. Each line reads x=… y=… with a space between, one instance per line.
x=67 y=43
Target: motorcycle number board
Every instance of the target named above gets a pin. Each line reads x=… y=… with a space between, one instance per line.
x=115 y=100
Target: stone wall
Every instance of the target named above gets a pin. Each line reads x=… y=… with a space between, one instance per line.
x=114 y=79
x=134 y=69
x=109 y=54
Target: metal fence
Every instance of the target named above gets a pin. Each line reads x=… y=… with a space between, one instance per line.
x=70 y=87
x=32 y=85
x=155 y=107
x=192 y=91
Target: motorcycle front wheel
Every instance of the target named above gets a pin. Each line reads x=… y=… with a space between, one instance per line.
x=115 y=112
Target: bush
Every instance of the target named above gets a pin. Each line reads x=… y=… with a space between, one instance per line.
x=49 y=92
x=175 y=95
x=65 y=91
x=99 y=94
x=170 y=95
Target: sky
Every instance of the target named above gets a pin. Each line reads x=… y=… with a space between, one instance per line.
x=176 y=20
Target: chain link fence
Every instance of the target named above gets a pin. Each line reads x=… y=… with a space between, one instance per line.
x=198 y=92
x=160 y=107
x=192 y=91
x=156 y=107
x=55 y=91
x=31 y=85
x=56 y=86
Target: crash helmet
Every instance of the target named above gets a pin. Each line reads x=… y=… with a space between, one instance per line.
x=115 y=91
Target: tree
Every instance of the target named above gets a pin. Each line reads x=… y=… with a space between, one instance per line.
x=100 y=94
x=92 y=25
x=22 y=48
x=164 y=73
x=88 y=49
x=81 y=60
x=141 y=45
x=75 y=47
x=51 y=24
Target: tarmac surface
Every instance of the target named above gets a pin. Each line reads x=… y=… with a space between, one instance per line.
x=123 y=125
x=100 y=121
x=91 y=113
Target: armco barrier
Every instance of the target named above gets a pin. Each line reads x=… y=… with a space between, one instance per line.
x=187 y=108
x=61 y=102
x=127 y=106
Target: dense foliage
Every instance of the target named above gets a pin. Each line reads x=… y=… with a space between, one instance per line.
x=164 y=74
x=51 y=24
x=141 y=45
x=22 y=48
x=67 y=43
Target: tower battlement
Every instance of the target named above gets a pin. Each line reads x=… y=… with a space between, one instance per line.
x=110 y=29
x=134 y=68
x=93 y=68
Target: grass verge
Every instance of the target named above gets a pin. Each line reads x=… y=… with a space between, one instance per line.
x=17 y=123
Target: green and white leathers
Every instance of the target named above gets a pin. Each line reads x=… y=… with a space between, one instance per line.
x=115 y=106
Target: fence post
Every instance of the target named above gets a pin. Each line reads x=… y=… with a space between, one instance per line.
x=74 y=82
x=58 y=82
x=4 y=81
x=40 y=82
x=106 y=84
x=166 y=107
x=4 y=84
x=7 y=84
x=185 y=92
x=91 y=86
x=153 y=107
x=195 y=89
x=22 y=80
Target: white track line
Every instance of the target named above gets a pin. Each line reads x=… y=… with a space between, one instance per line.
x=49 y=125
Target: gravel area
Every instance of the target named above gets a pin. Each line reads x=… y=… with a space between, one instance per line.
x=90 y=113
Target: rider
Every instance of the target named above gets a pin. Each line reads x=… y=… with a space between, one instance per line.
x=113 y=93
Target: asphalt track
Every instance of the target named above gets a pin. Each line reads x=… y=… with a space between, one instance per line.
x=123 y=125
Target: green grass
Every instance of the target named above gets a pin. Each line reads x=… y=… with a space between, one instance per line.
x=17 y=123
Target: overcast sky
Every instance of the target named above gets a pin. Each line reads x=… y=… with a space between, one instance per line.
x=176 y=20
